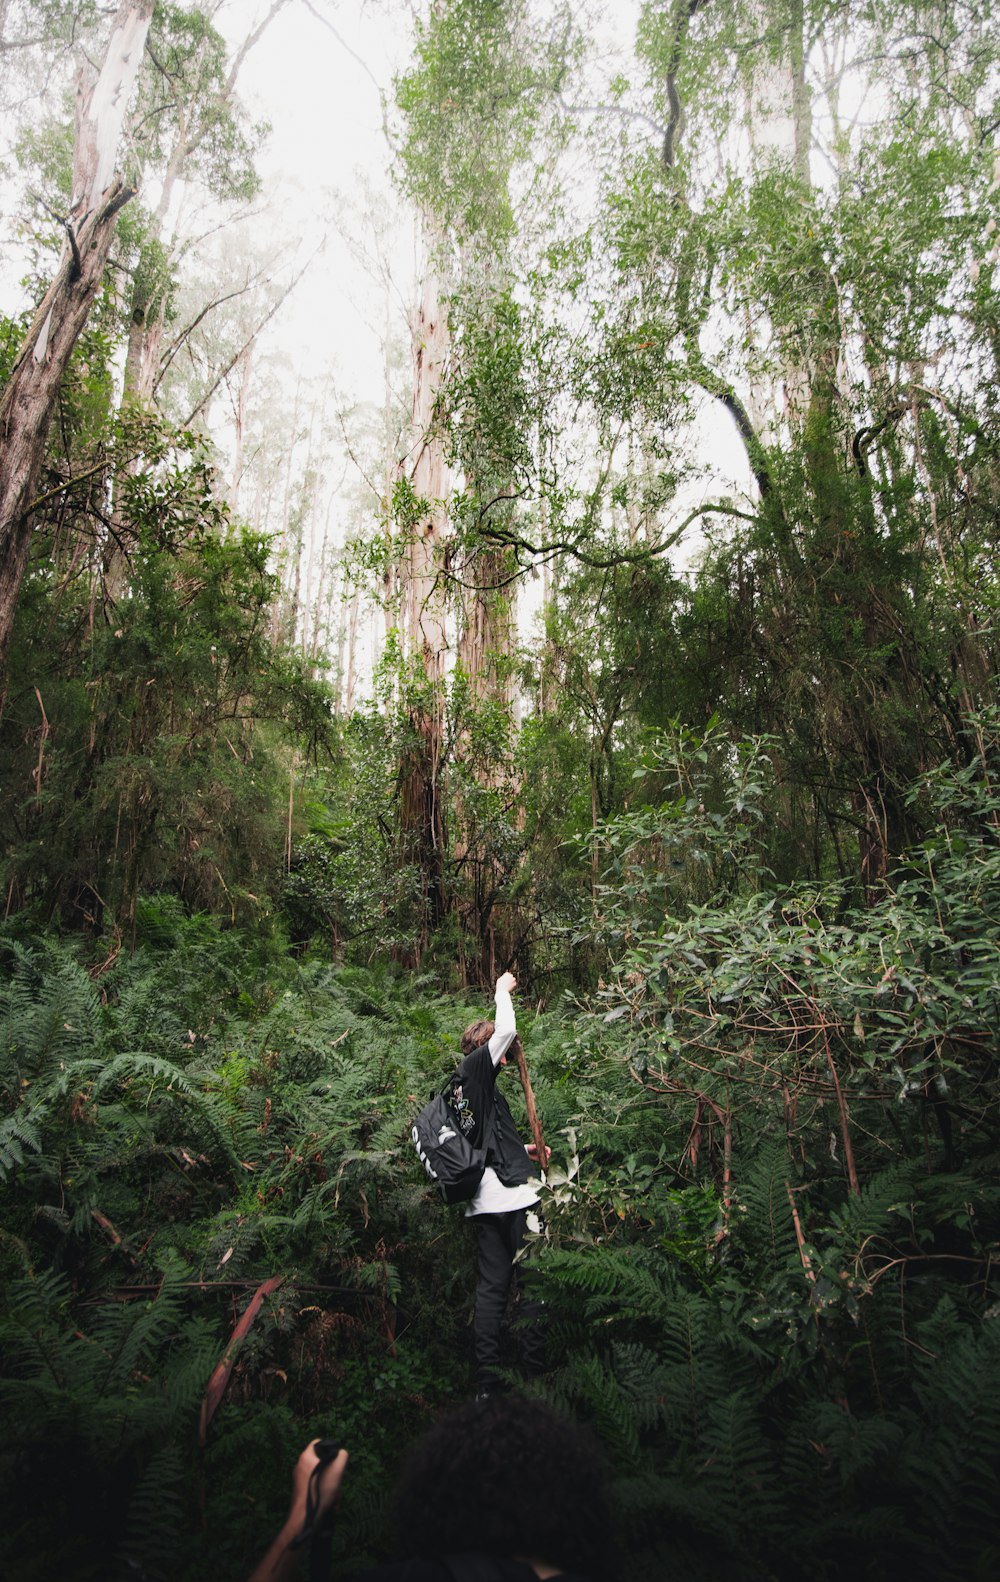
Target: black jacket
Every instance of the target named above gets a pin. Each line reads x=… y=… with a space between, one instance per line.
x=477 y=1079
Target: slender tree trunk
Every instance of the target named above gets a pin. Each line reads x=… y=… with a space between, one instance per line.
x=422 y=820
x=244 y=369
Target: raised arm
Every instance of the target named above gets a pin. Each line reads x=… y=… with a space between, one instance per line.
x=281 y=1563
x=505 y=1025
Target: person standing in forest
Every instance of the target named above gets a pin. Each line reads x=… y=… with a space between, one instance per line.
x=505 y=1197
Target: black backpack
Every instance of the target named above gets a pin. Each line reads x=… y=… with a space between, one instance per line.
x=440 y=1138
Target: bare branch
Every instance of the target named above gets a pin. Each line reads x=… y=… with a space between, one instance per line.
x=269 y=315
x=189 y=329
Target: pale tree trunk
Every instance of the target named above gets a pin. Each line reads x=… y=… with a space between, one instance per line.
x=339 y=665
x=351 y=679
x=279 y=609
x=488 y=628
x=780 y=131
x=150 y=291
x=392 y=614
x=486 y=647
x=422 y=821
x=487 y=641
x=30 y=396
x=323 y=559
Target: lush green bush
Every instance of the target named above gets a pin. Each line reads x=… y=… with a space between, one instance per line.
x=772 y=1214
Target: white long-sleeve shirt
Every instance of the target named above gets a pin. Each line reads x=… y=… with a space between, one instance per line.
x=492 y=1197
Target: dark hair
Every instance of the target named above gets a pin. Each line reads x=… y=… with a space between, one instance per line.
x=507 y=1476
x=476 y=1035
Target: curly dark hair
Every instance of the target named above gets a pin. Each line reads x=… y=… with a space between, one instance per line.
x=507 y=1476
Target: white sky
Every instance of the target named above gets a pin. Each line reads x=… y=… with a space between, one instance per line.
x=326 y=146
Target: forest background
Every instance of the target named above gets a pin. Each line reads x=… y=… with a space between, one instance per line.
x=639 y=635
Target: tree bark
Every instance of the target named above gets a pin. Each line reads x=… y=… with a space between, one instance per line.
x=422 y=821
x=29 y=399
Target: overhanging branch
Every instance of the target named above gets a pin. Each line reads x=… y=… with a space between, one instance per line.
x=574 y=548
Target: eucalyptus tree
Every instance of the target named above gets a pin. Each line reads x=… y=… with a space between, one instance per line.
x=176 y=102
x=471 y=103
x=97 y=197
x=147 y=693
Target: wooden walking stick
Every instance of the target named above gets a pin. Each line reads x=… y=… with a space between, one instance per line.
x=529 y=1100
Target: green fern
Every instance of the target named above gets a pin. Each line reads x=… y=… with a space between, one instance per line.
x=137 y=1066
x=18 y=1132
x=49 y=1012
x=155 y=1517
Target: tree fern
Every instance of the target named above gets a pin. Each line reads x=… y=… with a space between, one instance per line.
x=49 y=1012
x=958 y=1484
x=762 y=1220
x=144 y=1014
x=694 y=1363
x=875 y=1209
x=609 y=1282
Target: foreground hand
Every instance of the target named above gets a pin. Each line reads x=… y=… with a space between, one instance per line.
x=531 y=1149
x=328 y=1485
x=281 y=1563
x=507 y=981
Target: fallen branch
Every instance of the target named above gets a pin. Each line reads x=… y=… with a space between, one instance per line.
x=220 y=1377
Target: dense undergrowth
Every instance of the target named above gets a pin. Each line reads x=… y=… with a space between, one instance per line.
x=773 y=1217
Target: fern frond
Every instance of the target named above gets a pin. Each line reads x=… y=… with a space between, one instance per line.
x=154 y=1069
x=18 y=1132
x=155 y=1517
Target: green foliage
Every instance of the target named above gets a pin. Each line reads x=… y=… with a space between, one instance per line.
x=144 y=747
x=471 y=102
x=818 y=1075
x=188 y=101
x=750 y=825
x=108 y=1406
x=753 y=1330
x=213 y=1117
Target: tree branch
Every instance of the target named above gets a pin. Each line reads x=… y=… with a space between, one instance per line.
x=269 y=315
x=573 y=548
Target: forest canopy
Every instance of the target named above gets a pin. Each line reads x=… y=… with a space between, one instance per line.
x=627 y=621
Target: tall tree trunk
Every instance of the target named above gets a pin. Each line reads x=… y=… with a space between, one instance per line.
x=30 y=396
x=422 y=820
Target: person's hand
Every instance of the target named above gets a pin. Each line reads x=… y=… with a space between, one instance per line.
x=507 y=981
x=281 y=1563
x=327 y=1487
x=531 y=1149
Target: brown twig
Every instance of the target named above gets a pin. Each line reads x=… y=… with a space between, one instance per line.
x=37 y=777
x=804 y=1257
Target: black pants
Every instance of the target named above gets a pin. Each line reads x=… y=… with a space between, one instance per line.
x=500 y=1237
